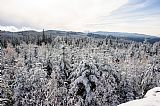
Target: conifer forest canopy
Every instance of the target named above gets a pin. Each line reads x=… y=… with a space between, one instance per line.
x=75 y=69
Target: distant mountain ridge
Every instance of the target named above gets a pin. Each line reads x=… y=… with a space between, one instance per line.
x=130 y=36
x=99 y=34
x=124 y=34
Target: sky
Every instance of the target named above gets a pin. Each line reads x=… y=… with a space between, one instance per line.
x=136 y=16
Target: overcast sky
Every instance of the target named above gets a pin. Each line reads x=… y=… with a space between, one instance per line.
x=140 y=16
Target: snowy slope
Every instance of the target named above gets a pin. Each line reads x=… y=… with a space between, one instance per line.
x=130 y=36
x=152 y=98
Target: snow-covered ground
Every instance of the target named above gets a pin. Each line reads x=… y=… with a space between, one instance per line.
x=152 y=98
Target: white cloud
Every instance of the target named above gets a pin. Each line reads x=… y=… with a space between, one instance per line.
x=15 y=29
x=60 y=14
x=80 y=15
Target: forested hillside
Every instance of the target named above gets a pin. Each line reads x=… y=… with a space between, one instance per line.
x=46 y=69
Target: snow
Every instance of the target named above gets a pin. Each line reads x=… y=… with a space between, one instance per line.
x=153 y=92
x=152 y=98
x=85 y=72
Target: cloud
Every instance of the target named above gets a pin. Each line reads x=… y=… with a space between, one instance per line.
x=141 y=16
x=144 y=7
x=63 y=14
x=15 y=29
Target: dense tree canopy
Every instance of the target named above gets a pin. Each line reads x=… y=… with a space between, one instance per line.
x=51 y=70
